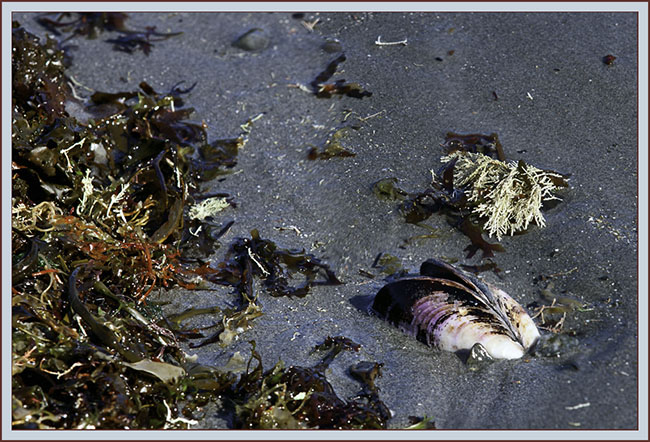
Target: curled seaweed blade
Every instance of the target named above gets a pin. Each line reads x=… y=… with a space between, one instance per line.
x=131 y=41
x=475 y=143
x=339 y=87
x=475 y=233
x=455 y=314
x=302 y=397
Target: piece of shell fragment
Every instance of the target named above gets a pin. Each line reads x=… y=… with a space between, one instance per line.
x=451 y=310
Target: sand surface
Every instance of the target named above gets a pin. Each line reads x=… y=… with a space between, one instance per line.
x=559 y=107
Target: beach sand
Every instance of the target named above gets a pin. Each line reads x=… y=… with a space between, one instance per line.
x=538 y=80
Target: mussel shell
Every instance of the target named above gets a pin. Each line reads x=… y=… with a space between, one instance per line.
x=453 y=311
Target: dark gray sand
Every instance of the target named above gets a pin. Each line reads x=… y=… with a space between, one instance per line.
x=559 y=107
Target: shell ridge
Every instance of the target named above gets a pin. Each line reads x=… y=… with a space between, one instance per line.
x=478 y=288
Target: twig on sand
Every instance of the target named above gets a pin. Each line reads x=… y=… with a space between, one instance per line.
x=310 y=25
x=378 y=42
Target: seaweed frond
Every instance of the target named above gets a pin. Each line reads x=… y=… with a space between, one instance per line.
x=509 y=195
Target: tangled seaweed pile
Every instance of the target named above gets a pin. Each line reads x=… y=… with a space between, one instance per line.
x=274 y=266
x=300 y=397
x=103 y=213
x=97 y=219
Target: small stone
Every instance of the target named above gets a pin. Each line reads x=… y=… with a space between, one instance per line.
x=478 y=357
x=609 y=59
x=555 y=345
x=254 y=40
x=332 y=46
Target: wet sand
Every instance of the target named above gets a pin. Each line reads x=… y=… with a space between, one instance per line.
x=538 y=80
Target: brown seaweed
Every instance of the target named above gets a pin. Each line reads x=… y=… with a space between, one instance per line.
x=91 y=24
x=475 y=143
x=87 y=24
x=301 y=397
x=339 y=87
x=421 y=423
x=131 y=41
x=460 y=203
x=333 y=147
x=389 y=265
x=488 y=266
x=38 y=83
x=97 y=216
x=475 y=234
x=386 y=188
x=275 y=266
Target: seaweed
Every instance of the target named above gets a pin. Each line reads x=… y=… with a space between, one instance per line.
x=326 y=90
x=509 y=196
x=91 y=24
x=104 y=212
x=259 y=258
x=556 y=314
x=421 y=423
x=441 y=197
x=87 y=24
x=474 y=232
x=553 y=310
x=479 y=192
x=83 y=383
x=333 y=147
x=275 y=266
x=38 y=83
x=389 y=265
x=475 y=143
x=131 y=41
x=302 y=397
x=488 y=266
x=386 y=188
x=98 y=215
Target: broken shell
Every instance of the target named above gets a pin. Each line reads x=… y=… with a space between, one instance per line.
x=451 y=310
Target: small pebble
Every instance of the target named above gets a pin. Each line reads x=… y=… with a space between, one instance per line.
x=331 y=46
x=253 y=40
x=478 y=357
x=555 y=345
x=609 y=59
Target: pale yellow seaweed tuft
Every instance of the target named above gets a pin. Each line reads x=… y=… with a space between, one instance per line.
x=509 y=195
